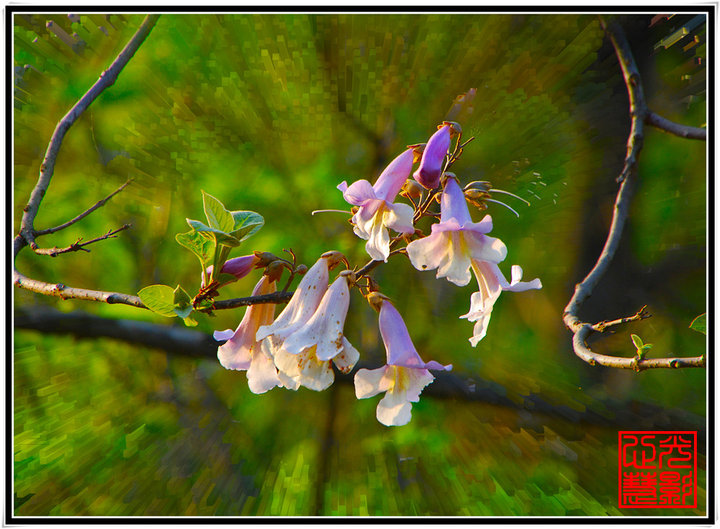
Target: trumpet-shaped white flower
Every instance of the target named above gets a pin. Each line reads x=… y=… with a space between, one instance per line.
x=304 y=357
x=491 y=282
x=404 y=376
x=243 y=351
x=301 y=307
x=376 y=211
x=456 y=240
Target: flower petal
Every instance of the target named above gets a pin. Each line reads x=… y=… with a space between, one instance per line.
x=399 y=217
x=301 y=307
x=262 y=375
x=303 y=369
x=415 y=381
x=398 y=345
x=358 y=192
x=370 y=382
x=238 y=351
x=393 y=177
x=516 y=285
x=347 y=358
x=221 y=336
x=325 y=328
x=393 y=412
x=429 y=252
x=455 y=266
x=484 y=248
x=401 y=352
x=453 y=204
x=378 y=239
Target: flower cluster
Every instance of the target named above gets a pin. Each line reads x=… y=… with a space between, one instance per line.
x=300 y=346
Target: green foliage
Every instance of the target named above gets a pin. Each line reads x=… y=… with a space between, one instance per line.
x=202 y=247
x=159 y=299
x=642 y=348
x=699 y=324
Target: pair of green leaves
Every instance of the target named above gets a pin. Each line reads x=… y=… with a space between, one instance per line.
x=211 y=243
x=642 y=348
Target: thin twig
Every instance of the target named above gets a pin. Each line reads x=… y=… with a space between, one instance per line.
x=77 y=246
x=107 y=78
x=82 y=215
x=684 y=131
x=639 y=315
x=582 y=330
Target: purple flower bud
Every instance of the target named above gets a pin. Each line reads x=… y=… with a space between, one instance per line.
x=428 y=174
x=238 y=266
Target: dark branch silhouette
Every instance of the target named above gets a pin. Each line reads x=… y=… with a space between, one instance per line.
x=582 y=330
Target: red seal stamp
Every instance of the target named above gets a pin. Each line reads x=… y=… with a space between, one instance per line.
x=657 y=470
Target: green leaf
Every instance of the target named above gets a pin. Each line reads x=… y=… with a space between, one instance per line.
x=213 y=234
x=182 y=302
x=159 y=299
x=181 y=298
x=246 y=224
x=201 y=246
x=189 y=322
x=699 y=324
x=218 y=217
x=637 y=341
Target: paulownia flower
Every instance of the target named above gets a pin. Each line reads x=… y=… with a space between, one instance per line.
x=376 y=211
x=456 y=240
x=304 y=357
x=243 y=351
x=301 y=307
x=491 y=282
x=403 y=377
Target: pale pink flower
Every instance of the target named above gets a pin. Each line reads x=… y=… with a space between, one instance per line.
x=456 y=240
x=430 y=169
x=304 y=357
x=491 y=282
x=376 y=211
x=243 y=351
x=402 y=378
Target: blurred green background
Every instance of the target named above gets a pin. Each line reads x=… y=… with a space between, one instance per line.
x=269 y=113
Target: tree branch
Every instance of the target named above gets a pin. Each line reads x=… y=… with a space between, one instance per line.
x=77 y=246
x=180 y=341
x=82 y=215
x=582 y=330
x=27 y=233
x=107 y=78
x=684 y=131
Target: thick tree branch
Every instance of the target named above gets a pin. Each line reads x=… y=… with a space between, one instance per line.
x=582 y=330
x=181 y=341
